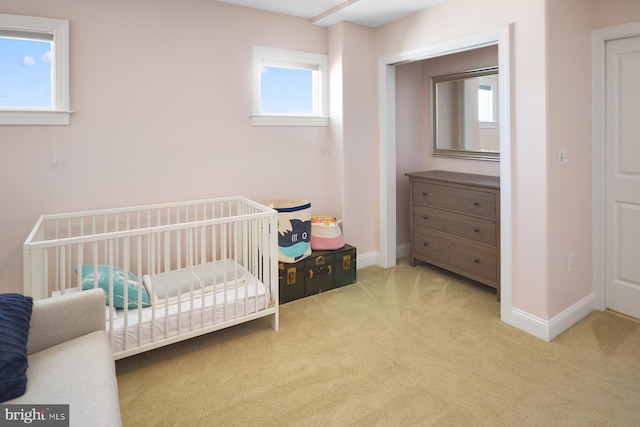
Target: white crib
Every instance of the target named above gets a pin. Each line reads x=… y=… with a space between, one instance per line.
x=170 y=272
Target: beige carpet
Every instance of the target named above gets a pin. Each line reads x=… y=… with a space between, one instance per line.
x=401 y=347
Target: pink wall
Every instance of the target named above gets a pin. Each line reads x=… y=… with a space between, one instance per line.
x=360 y=145
x=569 y=126
x=613 y=12
x=353 y=123
x=412 y=147
x=161 y=94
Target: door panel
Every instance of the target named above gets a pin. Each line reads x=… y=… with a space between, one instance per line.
x=623 y=176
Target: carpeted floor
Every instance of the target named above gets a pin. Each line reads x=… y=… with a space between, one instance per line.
x=401 y=347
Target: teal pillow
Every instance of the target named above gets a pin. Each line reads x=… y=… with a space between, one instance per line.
x=133 y=284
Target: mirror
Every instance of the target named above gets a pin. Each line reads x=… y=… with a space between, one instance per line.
x=465 y=114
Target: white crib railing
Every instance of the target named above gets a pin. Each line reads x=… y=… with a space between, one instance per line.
x=184 y=239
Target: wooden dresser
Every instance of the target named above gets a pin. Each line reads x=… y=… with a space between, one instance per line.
x=455 y=223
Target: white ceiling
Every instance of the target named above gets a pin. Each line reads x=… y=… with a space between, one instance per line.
x=371 y=13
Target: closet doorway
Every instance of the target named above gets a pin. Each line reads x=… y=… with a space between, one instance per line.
x=387 y=185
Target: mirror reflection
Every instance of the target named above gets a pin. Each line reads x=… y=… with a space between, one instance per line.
x=465 y=114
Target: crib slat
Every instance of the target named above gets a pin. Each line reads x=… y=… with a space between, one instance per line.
x=79 y=263
x=167 y=266
x=110 y=262
x=178 y=267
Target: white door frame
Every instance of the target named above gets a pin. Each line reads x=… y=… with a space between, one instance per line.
x=599 y=39
x=387 y=147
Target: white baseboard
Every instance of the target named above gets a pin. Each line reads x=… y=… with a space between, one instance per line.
x=571 y=316
x=366 y=260
x=373 y=258
x=550 y=329
x=403 y=250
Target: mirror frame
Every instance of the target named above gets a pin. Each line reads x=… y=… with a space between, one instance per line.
x=444 y=152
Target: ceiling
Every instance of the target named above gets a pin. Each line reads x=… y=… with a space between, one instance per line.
x=371 y=13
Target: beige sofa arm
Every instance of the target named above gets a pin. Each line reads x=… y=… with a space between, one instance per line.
x=59 y=319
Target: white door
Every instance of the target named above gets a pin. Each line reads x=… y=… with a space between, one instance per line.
x=622 y=133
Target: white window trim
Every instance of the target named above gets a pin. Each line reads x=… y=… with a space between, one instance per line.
x=59 y=113
x=263 y=55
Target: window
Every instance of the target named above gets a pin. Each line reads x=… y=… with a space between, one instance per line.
x=34 y=71
x=289 y=88
x=487 y=101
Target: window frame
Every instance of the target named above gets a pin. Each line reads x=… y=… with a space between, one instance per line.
x=59 y=113
x=266 y=56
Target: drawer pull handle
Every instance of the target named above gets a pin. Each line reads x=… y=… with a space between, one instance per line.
x=476 y=203
x=476 y=260
x=425 y=216
x=476 y=229
x=424 y=193
x=425 y=244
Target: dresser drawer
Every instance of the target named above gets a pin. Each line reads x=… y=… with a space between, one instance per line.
x=459 y=254
x=470 y=227
x=471 y=201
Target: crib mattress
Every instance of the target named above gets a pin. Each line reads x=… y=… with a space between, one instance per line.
x=138 y=327
x=167 y=287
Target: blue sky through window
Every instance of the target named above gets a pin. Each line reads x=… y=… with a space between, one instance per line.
x=25 y=73
x=286 y=91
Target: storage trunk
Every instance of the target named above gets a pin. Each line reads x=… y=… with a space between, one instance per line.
x=320 y=272
x=291 y=281
x=342 y=262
